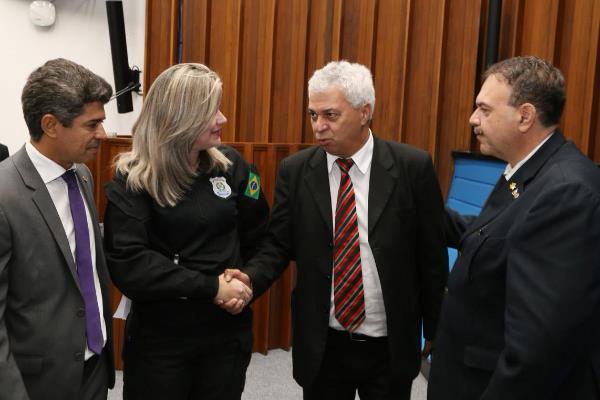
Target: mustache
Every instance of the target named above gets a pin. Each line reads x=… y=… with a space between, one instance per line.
x=477 y=131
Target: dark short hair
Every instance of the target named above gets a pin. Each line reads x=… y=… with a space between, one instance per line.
x=536 y=81
x=62 y=88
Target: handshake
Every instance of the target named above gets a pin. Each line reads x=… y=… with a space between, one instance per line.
x=235 y=291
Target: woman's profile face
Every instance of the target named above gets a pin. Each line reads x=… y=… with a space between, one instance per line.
x=211 y=135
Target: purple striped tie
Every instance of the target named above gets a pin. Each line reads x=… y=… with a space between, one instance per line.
x=85 y=270
x=349 y=296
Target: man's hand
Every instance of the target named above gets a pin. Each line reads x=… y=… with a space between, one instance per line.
x=233 y=295
x=231 y=273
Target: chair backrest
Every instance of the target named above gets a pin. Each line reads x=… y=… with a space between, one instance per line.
x=472 y=181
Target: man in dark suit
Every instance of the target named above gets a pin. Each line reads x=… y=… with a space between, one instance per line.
x=363 y=219
x=55 y=315
x=521 y=317
x=3 y=152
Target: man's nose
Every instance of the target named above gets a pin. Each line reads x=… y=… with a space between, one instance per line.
x=320 y=123
x=100 y=132
x=474 y=119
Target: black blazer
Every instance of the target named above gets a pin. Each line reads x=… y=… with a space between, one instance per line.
x=521 y=318
x=3 y=152
x=405 y=234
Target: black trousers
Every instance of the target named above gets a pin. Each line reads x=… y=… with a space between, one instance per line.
x=352 y=364
x=186 y=367
x=94 y=383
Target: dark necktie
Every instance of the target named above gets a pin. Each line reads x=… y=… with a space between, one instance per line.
x=85 y=270
x=349 y=296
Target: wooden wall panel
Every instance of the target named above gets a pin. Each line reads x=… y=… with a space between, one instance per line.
x=161 y=38
x=196 y=23
x=510 y=27
x=457 y=95
x=539 y=28
x=288 y=95
x=224 y=55
x=357 y=31
x=595 y=117
x=216 y=45
x=423 y=55
x=389 y=69
x=323 y=45
x=422 y=86
x=579 y=65
x=103 y=170
x=256 y=62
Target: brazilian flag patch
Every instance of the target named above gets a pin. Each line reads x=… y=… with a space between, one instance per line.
x=253 y=188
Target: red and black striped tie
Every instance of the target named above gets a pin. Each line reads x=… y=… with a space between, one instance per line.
x=349 y=296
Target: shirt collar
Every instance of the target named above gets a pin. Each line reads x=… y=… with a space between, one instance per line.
x=510 y=171
x=362 y=158
x=48 y=169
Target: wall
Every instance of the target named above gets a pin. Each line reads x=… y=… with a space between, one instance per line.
x=426 y=58
x=80 y=33
x=423 y=55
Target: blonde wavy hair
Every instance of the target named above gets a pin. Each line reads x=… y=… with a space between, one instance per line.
x=178 y=106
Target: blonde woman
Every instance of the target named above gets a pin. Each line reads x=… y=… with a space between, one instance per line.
x=181 y=209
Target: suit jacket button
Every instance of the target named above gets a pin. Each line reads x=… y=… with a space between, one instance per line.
x=328 y=276
x=330 y=244
x=446 y=290
x=79 y=356
x=81 y=313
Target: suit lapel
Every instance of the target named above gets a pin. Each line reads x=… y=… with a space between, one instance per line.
x=382 y=181
x=41 y=198
x=504 y=193
x=533 y=166
x=497 y=201
x=317 y=181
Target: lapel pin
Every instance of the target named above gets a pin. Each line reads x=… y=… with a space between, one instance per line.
x=84 y=178
x=514 y=190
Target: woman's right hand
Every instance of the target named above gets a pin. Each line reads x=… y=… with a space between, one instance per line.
x=233 y=295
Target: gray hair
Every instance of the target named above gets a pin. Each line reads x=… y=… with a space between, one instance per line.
x=353 y=79
x=62 y=88
x=178 y=106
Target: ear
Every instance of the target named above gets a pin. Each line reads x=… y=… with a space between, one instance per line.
x=365 y=112
x=49 y=125
x=528 y=116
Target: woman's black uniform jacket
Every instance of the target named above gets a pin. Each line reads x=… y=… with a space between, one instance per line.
x=167 y=259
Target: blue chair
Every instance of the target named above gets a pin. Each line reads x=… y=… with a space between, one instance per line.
x=474 y=178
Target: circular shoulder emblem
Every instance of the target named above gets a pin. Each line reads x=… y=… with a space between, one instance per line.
x=220 y=187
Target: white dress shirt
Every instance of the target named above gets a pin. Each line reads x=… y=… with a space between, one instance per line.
x=510 y=171
x=51 y=174
x=375 y=322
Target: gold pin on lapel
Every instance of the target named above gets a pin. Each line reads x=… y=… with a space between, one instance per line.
x=514 y=190
x=84 y=178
